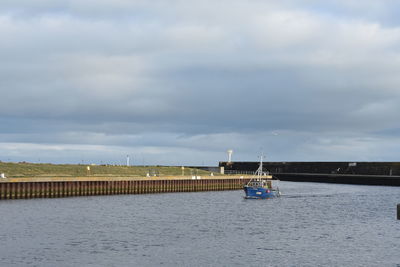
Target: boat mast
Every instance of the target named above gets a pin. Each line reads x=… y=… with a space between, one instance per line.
x=259 y=171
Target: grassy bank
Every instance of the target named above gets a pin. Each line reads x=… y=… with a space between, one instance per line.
x=70 y=170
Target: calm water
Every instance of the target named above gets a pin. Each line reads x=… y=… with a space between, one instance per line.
x=311 y=225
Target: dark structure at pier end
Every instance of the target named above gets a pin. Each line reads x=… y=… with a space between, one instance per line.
x=368 y=173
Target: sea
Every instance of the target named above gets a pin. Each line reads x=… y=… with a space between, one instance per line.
x=312 y=224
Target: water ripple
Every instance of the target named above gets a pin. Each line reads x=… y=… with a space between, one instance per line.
x=310 y=225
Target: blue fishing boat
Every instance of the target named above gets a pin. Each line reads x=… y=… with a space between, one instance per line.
x=261 y=186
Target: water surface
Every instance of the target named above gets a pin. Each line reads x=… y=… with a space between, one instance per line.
x=311 y=225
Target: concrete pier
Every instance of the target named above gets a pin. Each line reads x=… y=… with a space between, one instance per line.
x=21 y=188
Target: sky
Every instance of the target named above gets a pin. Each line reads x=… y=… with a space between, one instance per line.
x=181 y=82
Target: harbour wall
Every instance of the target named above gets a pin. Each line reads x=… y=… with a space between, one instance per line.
x=367 y=173
x=340 y=178
x=22 y=188
x=358 y=168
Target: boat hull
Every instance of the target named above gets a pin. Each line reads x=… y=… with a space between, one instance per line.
x=260 y=192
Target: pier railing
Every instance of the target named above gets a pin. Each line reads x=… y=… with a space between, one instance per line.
x=237 y=172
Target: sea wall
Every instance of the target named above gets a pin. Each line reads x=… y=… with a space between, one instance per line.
x=48 y=188
x=365 y=173
x=357 y=168
x=340 y=178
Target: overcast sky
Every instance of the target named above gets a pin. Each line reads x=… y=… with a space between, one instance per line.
x=180 y=82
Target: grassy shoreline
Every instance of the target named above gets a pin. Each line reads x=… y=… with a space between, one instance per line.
x=15 y=170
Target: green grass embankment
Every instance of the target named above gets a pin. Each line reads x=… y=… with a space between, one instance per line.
x=14 y=170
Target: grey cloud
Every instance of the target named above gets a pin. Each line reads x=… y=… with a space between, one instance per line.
x=198 y=78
